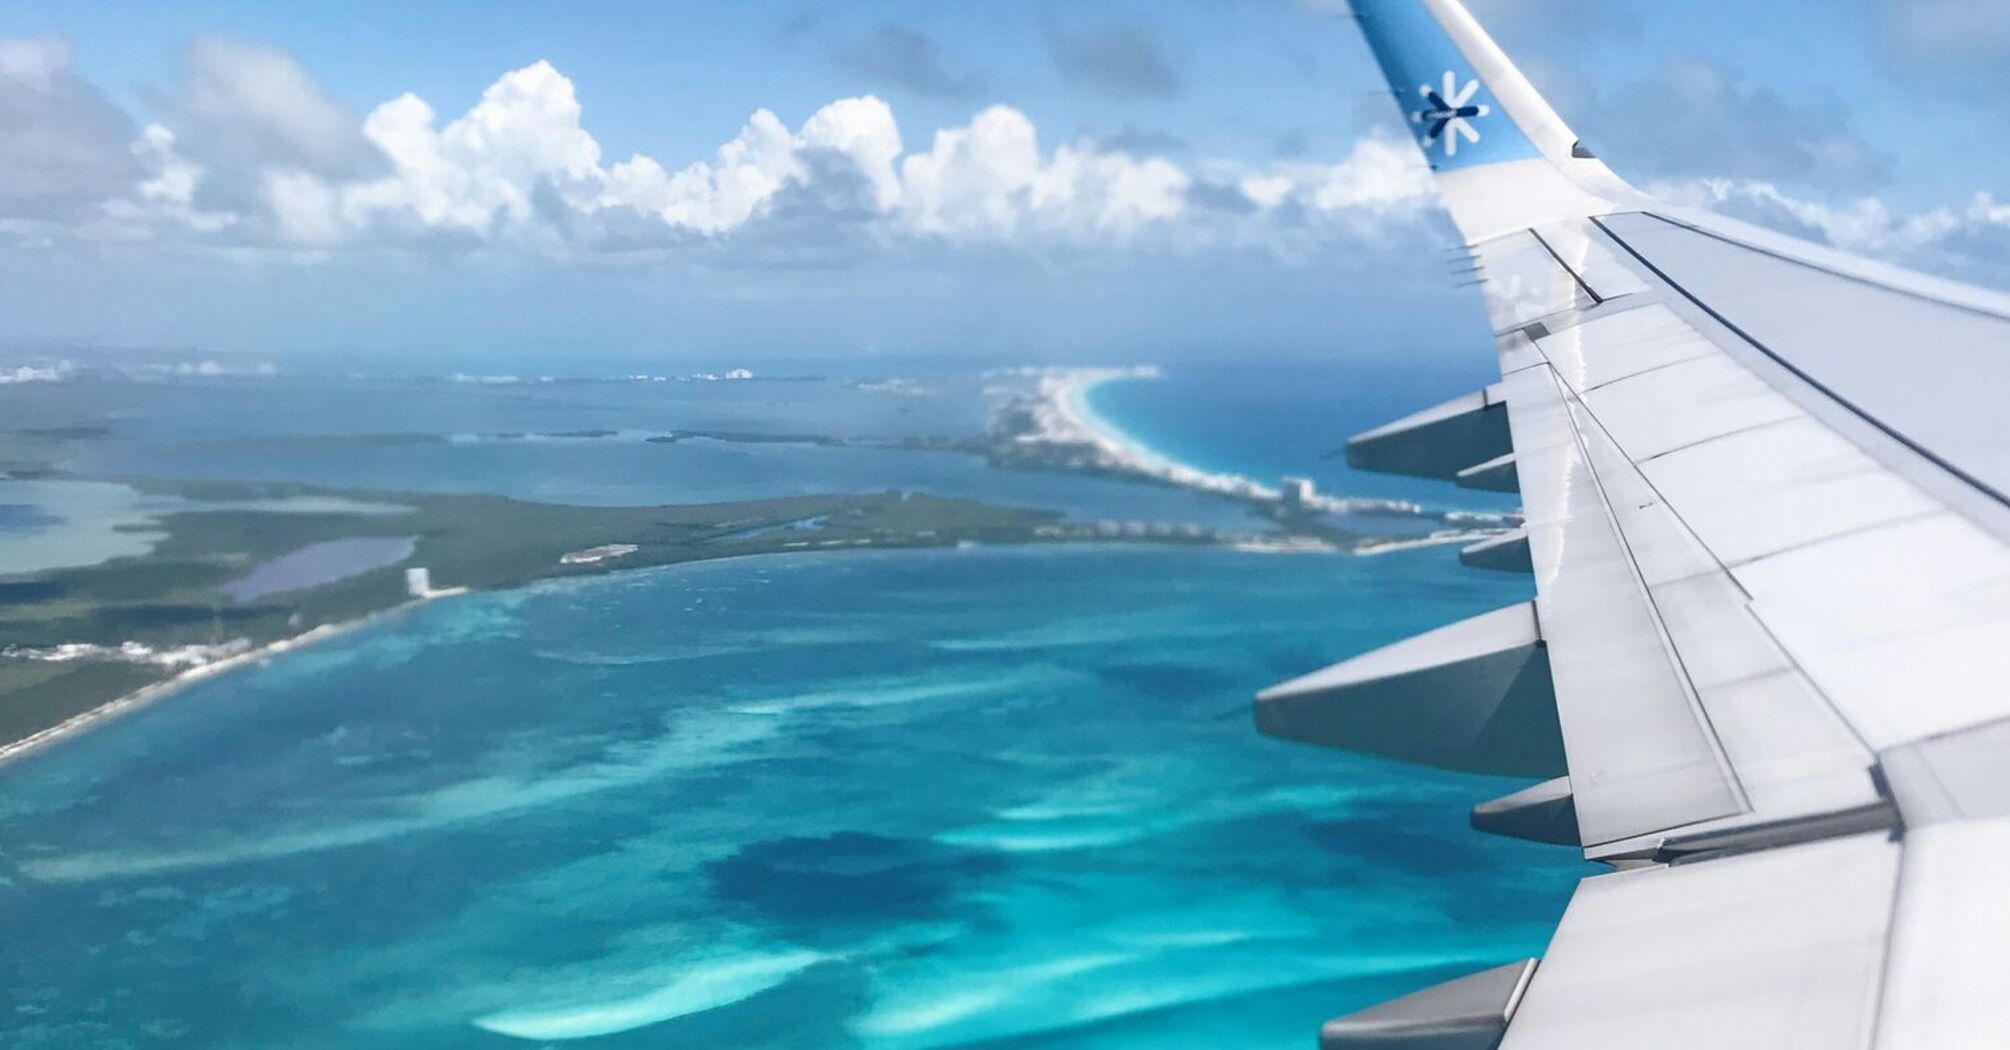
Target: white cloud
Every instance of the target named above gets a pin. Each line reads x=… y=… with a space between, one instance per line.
x=973 y=178
x=862 y=129
x=162 y=203
x=254 y=158
x=34 y=64
x=477 y=175
x=246 y=106
x=171 y=177
x=1970 y=241
x=989 y=180
x=62 y=144
x=305 y=207
x=481 y=175
x=711 y=197
x=1380 y=175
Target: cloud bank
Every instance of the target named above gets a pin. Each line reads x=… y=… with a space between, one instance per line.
x=1971 y=239
x=249 y=156
x=62 y=145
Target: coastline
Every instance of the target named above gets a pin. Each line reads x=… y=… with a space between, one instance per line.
x=146 y=695
x=1062 y=420
x=192 y=673
x=1063 y=417
x=180 y=680
x=130 y=642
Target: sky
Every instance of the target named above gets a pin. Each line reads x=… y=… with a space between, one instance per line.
x=1035 y=181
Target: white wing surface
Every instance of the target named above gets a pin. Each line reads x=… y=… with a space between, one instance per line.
x=1767 y=672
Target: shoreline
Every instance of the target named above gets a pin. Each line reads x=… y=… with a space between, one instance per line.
x=97 y=641
x=146 y=695
x=174 y=683
x=1063 y=417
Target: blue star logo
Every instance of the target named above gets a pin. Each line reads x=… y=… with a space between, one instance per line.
x=1449 y=114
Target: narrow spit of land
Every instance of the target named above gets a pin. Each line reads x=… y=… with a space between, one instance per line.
x=75 y=640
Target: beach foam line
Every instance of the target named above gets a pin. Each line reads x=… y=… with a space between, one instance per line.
x=1063 y=415
x=721 y=982
x=145 y=695
x=1442 y=538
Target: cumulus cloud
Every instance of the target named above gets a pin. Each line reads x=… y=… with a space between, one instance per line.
x=476 y=176
x=990 y=179
x=1971 y=241
x=163 y=201
x=298 y=177
x=246 y=107
x=62 y=144
x=252 y=157
x=1120 y=58
x=251 y=161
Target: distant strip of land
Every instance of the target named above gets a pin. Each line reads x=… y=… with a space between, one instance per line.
x=75 y=640
x=246 y=569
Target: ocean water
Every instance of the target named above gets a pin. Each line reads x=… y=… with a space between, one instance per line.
x=984 y=797
x=438 y=436
x=1267 y=421
x=974 y=797
x=629 y=471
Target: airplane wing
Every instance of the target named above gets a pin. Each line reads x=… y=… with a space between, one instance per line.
x=1766 y=675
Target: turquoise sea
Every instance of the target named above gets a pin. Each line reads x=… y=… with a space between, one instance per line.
x=979 y=797
x=1272 y=420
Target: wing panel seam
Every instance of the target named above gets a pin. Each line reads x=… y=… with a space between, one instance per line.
x=1674 y=652
x=1671 y=651
x=1596 y=299
x=1819 y=268
x=1721 y=569
x=1884 y=428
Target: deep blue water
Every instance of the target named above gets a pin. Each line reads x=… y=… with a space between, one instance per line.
x=1267 y=421
x=889 y=800
x=387 y=434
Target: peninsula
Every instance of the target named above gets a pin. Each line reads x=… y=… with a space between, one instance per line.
x=74 y=640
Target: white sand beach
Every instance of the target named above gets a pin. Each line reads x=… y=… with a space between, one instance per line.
x=1064 y=416
x=197 y=663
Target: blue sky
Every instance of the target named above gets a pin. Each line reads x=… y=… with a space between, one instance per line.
x=218 y=186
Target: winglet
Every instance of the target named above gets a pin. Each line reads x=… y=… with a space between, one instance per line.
x=1503 y=158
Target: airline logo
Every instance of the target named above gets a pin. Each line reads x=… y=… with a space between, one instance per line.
x=1449 y=114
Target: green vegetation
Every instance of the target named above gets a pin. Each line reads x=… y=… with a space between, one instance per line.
x=170 y=596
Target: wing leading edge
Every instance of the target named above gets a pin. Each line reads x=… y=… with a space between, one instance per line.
x=1764 y=490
